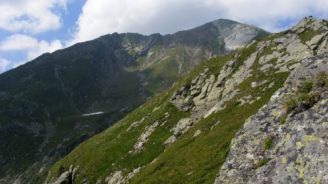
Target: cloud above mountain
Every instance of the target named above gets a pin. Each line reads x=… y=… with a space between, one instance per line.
x=21 y=22
x=32 y=46
x=30 y=16
x=30 y=28
x=100 y=17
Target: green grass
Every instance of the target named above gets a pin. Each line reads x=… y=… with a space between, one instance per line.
x=112 y=146
x=305 y=87
x=305 y=98
x=159 y=80
x=268 y=142
x=321 y=80
x=283 y=118
x=308 y=35
x=117 y=147
x=263 y=162
x=306 y=94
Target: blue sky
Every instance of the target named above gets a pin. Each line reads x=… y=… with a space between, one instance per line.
x=29 y=28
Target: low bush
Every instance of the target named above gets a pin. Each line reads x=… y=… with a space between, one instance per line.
x=268 y=142
x=305 y=87
x=262 y=162
x=322 y=80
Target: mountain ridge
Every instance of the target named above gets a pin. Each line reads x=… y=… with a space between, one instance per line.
x=184 y=135
x=43 y=101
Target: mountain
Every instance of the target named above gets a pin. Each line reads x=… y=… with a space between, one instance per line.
x=256 y=115
x=56 y=101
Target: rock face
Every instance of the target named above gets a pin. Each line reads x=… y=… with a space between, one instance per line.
x=67 y=177
x=271 y=149
x=116 y=178
x=235 y=36
x=181 y=127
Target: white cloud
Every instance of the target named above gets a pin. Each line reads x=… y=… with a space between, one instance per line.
x=30 y=16
x=30 y=45
x=166 y=16
x=18 y=42
x=4 y=64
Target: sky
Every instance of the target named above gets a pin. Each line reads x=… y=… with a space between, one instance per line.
x=29 y=28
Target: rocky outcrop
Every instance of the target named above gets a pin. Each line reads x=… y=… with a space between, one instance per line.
x=277 y=146
x=208 y=93
x=144 y=136
x=116 y=178
x=67 y=177
x=181 y=127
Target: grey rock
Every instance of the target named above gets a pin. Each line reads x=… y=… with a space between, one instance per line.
x=299 y=146
x=116 y=178
x=197 y=133
x=144 y=136
x=67 y=177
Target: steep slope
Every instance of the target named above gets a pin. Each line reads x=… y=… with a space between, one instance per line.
x=184 y=134
x=286 y=140
x=51 y=104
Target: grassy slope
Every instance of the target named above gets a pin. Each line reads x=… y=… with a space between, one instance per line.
x=108 y=147
x=190 y=159
x=197 y=159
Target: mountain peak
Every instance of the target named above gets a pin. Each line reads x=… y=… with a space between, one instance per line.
x=236 y=35
x=310 y=22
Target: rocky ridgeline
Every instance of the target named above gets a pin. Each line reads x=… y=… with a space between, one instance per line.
x=283 y=142
x=284 y=52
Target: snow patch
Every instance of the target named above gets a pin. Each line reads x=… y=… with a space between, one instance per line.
x=93 y=113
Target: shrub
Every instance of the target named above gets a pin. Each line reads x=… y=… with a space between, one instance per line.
x=302 y=102
x=305 y=87
x=321 y=80
x=263 y=162
x=268 y=142
x=61 y=170
x=310 y=98
x=283 y=118
x=290 y=104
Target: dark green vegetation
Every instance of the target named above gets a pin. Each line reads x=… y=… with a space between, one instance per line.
x=306 y=87
x=42 y=102
x=321 y=80
x=307 y=35
x=263 y=162
x=307 y=94
x=190 y=159
x=268 y=142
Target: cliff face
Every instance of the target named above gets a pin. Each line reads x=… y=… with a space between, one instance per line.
x=257 y=115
